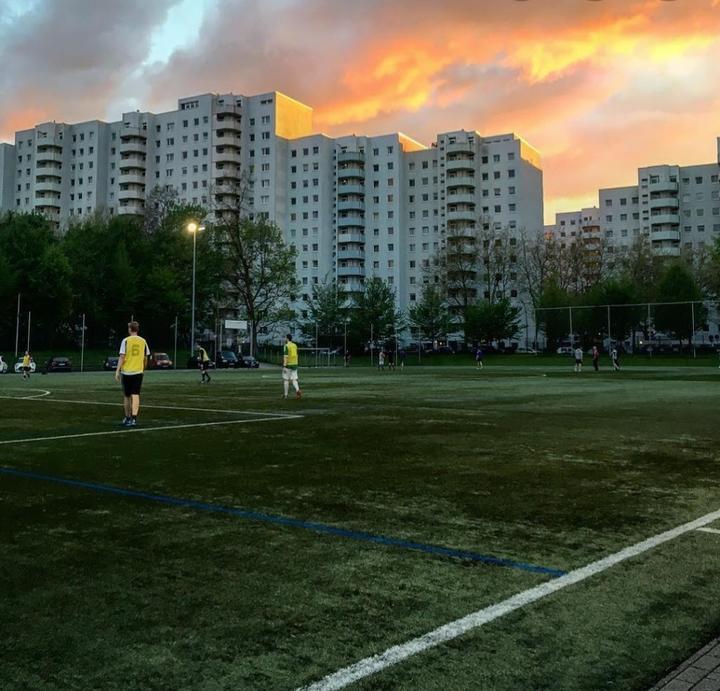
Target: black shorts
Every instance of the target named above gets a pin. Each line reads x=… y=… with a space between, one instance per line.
x=132 y=383
x=205 y=364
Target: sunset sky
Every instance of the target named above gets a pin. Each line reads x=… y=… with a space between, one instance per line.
x=598 y=86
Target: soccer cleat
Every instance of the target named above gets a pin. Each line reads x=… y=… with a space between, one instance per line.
x=132 y=423
x=298 y=395
x=124 y=422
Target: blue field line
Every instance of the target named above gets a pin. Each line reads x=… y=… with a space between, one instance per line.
x=321 y=528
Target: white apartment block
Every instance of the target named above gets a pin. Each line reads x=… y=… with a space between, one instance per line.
x=676 y=207
x=353 y=206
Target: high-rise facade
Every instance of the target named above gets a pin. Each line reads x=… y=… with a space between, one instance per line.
x=353 y=206
x=676 y=207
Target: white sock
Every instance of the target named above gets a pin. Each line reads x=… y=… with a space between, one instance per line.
x=286 y=385
x=296 y=386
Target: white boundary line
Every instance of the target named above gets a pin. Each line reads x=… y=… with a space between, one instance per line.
x=398 y=653
x=135 y=430
x=144 y=406
x=714 y=531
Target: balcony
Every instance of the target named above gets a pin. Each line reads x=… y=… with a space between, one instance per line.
x=665 y=203
x=458 y=245
x=133 y=146
x=667 y=251
x=48 y=185
x=48 y=155
x=460 y=199
x=353 y=253
x=460 y=148
x=351 y=237
x=134 y=160
x=351 y=205
x=227 y=174
x=226 y=109
x=456 y=181
x=460 y=215
x=351 y=270
x=664 y=219
x=227 y=139
x=350 y=188
x=132 y=131
x=464 y=163
x=351 y=222
x=227 y=188
x=351 y=157
x=228 y=155
x=351 y=171
x=131 y=208
x=665 y=235
x=47 y=201
x=132 y=192
x=132 y=178
x=663 y=186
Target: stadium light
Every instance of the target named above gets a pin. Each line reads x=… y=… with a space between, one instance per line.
x=194 y=228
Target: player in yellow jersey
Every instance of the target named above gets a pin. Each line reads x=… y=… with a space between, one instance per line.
x=290 y=367
x=26 y=365
x=134 y=352
x=203 y=363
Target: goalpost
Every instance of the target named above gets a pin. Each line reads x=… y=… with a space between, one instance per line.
x=316 y=357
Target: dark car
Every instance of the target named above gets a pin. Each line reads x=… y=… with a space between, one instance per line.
x=160 y=361
x=111 y=363
x=249 y=362
x=226 y=359
x=58 y=364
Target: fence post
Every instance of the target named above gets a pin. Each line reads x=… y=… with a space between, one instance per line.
x=175 y=352
x=572 y=336
x=17 y=327
x=372 y=344
x=28 y=330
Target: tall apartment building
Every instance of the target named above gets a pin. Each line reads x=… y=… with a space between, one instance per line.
x=353 y=206
x=676 y=207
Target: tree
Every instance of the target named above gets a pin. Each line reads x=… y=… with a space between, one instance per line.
x=677 y=284
x=551 y=314
x=492 y=321
x=327 y=309
x=259 y=267
x=374 y=310
x=430 y=315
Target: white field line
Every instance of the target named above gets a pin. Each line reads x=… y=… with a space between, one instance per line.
x=398 y=653
x=41 y=394
x=135 y=430
x=144 y=406
x=715 y=531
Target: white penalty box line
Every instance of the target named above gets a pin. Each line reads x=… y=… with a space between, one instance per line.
x=258 y=417
x=396 y=654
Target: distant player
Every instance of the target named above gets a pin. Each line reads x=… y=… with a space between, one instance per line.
x=290 y=367
x=401 y=357
x=26 y=365
x=479 y=358
x=134 y=352
x=596 y=358
x=381 y=360
x=391 y=360
x=578 y=359
x=203 y=364
x=615 y=356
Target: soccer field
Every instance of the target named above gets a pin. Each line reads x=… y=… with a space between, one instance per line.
x=239 y=541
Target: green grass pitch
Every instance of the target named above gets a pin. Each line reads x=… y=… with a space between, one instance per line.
x=530 y=465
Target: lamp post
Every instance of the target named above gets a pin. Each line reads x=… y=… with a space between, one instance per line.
x=193 y=228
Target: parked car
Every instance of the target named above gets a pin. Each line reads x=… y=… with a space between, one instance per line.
x=111 y=363
x=160 y=361
x=527 y=351
x=249 y=362
x=18 y=367
x=3 y=366
x=226 y=359
x=564 y=350
x=58 y=364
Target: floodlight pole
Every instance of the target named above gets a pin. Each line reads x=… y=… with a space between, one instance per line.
x=608 y=325
x=372 y=344
x=345 y=360
x=192 y=318
x=28 y=331
x=692 y=305
x=175 y=353
x=572 y=337
x=82 y=345
x=17 y=327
